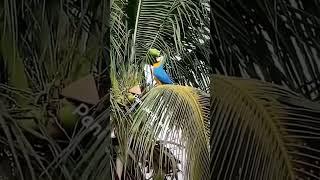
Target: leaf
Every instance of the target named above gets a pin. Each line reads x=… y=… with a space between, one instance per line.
x=168 y=111
x=262 y=131
x=274 y=41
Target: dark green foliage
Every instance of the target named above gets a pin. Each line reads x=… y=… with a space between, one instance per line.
x=44 y=46
x=277 y=41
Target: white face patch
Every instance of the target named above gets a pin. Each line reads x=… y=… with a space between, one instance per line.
x=159 y=58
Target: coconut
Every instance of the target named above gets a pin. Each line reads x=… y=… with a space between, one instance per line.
x=66 y=115
x=131 y=97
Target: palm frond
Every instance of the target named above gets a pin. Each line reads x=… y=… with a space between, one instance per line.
x=56 y=41
x=157 y=22
x=179 y=28
x=262 y=131
x=274 y=41
x=175 y=114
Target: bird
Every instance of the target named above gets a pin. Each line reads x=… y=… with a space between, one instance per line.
x=159 y=73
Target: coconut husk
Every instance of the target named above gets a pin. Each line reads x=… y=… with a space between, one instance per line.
x=135 y=90
x=83 y=90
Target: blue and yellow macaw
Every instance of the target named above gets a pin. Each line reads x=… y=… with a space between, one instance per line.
x=159 y=73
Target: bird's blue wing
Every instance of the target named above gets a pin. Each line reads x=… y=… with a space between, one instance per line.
x=162 y=76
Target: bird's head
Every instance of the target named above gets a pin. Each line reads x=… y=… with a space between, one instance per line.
x=154 y=55
x=154 y=52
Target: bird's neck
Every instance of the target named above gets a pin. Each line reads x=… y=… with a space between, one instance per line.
x=157 y=64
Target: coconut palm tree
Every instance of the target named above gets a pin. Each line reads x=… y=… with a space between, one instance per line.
x=165 y=129
x=265 y=117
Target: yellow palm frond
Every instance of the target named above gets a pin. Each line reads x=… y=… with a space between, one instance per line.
x=167 y=112
x=262 y=131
